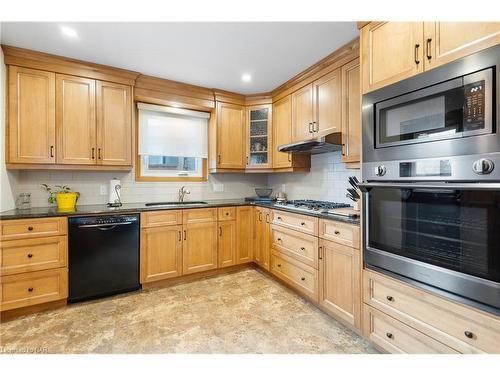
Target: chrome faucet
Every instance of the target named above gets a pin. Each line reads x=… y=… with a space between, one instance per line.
x=182 y=192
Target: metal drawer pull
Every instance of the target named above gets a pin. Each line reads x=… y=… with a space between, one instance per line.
x=279 y=218
x=469 y=334
x=30 y=289
x=220 y=231
x=30 y=255
x=303 y=278
x=388 y=334
x=227 y=213
x=104 y=225
x=279 y=239
x=417 y=61
x=30 y=228
x=337 y=232
x=428 y=48
x=302 y=223
x=302 y=248
x=320 y=256
x=185 y=235
x=180 y=236
x=390 y=298
x=279 y=265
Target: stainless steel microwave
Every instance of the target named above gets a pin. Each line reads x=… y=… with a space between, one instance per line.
x=449 y=111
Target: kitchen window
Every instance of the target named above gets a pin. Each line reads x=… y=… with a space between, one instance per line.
x=173 y=144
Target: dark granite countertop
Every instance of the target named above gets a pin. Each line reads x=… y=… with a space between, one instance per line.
x=85 y=210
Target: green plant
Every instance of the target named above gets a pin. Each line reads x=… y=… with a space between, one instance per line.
x=58 y=189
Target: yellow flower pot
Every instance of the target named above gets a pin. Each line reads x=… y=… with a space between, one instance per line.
x=66 y=201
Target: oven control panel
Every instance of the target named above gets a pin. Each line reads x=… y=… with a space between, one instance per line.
x=474 y=106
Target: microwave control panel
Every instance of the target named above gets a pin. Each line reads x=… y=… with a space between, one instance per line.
x=474 y=106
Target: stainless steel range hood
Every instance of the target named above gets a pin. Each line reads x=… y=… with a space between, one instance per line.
x=328 y=143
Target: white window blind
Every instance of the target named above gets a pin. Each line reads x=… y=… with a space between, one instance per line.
x=172 y=131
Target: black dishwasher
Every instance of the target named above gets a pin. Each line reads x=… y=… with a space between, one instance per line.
x=103 y=256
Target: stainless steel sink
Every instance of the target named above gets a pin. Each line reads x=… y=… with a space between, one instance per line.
x=190 y=203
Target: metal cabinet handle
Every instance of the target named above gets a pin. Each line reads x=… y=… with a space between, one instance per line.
x=30 y=255
x=428 y=49
x=389 y=335
x=30 y=289
x=99 y=153
x=30 y=228
x=417 y=61
x=279 y=265
x=289 y=157
x=93 y=153
x=302 y=223
x=51 y=151
x=315 y=126
x=227 y=213
x=218 y=158
x=278 y=239
x=469 y=334
x=390 y=298
x=336 y=232
x=303 y=278
x=320 y=252
x=343 y=146
x=260 y=216
x=220 y=231
x=310 y=127
x=278 y=217
x=302 y=248
x=180 y=236
x=267 y=218
x=185 y=235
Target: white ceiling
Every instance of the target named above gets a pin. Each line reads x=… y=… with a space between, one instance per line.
x=213 y=55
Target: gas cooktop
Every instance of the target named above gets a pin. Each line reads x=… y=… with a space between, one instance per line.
x=309 y=205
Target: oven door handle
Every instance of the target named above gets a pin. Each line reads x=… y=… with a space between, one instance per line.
x=366 y=186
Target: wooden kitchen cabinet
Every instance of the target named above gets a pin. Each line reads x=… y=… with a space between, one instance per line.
x=114 y=123
x=244 y=234
x=259 y=136
x=199 y=249
x=327 y=99
x=390 y=52
x=31 y=124
x=340 y=281
x=262 y=237
x=75 y=120
x=231 y=136
x=302 y=113
x=226 y=244
x=448 y=41
x=282 y=128
x=351 y=112
x=161 y=253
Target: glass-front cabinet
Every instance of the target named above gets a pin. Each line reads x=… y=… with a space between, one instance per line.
x=259 y=145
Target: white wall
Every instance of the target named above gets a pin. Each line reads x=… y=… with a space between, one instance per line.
x=327 y=180
x=8 y=180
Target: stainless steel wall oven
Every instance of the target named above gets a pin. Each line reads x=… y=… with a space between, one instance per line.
x=431 y=180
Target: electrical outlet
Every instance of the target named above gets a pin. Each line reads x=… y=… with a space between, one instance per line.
x=103 y=189
x=218 y=188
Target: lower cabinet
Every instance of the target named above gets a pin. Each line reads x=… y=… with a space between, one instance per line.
x=227 y=243
x=340 y=281
x=262 y=237
x=244 y=234
x=199 y=249
x=161 y=253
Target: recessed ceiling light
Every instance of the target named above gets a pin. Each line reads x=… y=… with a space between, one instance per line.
x=246 y=77
x=69 y=32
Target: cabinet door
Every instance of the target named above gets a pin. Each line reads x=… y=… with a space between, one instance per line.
x=244 y=234
x=390 y=52
x=340 y=283
x=351 y=112
x=75 y=120
x=302 y=113
x=231 y=136
x=257 y=252
x=265 y=238
x=161 y=253
x=199 y=250
x=448 y=41
x=259 y=120
x=227 y=243
x=327 y=99
x=282 y=129
x=32 y=126
x=114 y=124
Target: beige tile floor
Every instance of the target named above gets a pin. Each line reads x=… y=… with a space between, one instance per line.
x=242 y=312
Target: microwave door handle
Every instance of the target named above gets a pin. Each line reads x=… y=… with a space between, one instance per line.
x=441 y=186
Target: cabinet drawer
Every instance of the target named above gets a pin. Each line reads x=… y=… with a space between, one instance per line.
x=26 y=228
x=396 y=337
x=300 y=246
x=296 y=274
x=302 y=223
x=439 y=318
x=345 y=234
x=33 y=254
x=199 y=215
x=32 y=288
x=226 y=213
x=161 y=218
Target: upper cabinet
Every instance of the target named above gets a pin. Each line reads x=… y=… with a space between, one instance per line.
x=351 y=112
x=447 y=41
x=114 y=124
x=31 y=124
x=392 y=51
x=67 y=114
x=327 y=102
x=302 y=114
x=259 y=136
x=282 y=127
x=231 y=139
